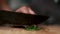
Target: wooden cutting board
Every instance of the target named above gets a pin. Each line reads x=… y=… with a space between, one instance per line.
x=47 y=30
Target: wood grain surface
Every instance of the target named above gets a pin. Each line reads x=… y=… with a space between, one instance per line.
x=51 y=29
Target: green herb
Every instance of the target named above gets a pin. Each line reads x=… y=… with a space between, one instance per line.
x=32 y=27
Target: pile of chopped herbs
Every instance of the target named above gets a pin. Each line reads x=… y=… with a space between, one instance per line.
x=32 y=27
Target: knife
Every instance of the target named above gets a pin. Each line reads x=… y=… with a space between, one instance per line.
x=15 y=18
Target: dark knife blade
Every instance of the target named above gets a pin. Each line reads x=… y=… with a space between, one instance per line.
x=15 y=18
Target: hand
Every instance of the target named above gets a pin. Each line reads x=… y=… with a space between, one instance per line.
x=25 y=10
